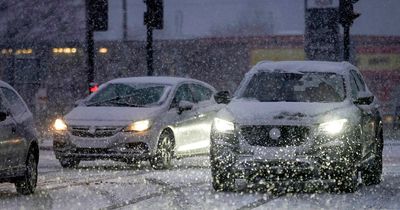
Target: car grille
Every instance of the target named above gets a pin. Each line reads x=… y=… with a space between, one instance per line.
x=92 y=151
x=97 y=132
x=289 y=135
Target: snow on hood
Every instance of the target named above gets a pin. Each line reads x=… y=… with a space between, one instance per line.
x=109 y=115
x=253 y=112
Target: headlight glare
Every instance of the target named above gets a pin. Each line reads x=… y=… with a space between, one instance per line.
x=59 y=125
x=139 y=126
x=223 y=126
x=333 y=127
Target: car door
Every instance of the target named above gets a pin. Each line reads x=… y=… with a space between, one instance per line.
x=7 y=133
x=368 y=115
x=184 y=122
x=206 y=110
x=16 y=145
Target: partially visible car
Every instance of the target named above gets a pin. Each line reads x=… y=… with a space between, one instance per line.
x=19 y=150
x=138 y=118
x=294 y=123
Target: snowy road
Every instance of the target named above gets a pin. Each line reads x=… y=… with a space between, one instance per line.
x=113 y=185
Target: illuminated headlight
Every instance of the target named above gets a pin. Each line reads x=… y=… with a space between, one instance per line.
x=333 y=127
x=59 y=125
x=139 y=126
x=223 y=126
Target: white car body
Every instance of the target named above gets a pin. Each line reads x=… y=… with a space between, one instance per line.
x=254 y=132
x=190 y=128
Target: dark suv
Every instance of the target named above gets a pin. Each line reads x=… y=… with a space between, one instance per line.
x=298 y=122
x=19 y=149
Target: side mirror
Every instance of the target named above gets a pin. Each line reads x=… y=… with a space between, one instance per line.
x=3 y=116
x=184 y=106
x=80 y=102
x=364 y=98
x=222 y=97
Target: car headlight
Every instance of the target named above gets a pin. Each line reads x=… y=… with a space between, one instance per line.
x=59 y=125
x=139 y=126
x=333 y=127
x=223 y=126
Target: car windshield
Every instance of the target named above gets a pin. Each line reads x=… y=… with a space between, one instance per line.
x=294 y=87
x=131 y=95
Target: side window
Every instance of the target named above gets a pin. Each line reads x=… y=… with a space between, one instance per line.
x=201 y=93
x=353 y=85
x=17 y=107
x=363 y=86
x=359 y=81
x=183 y=94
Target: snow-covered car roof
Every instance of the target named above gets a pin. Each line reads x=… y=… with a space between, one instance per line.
x=156 y=80
x=302 y=66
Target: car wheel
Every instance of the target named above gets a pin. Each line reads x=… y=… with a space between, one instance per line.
x=372 y=174
x=69 y=162
x=28 y=183
x=222 y=180
x=222 y=159
x=164 y=153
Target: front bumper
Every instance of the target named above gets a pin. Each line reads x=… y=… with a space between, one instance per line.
x=299 y=169
x=121 y=146
x=307 y=162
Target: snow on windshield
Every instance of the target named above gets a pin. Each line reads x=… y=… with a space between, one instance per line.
x=125 y=94
x=295 y=87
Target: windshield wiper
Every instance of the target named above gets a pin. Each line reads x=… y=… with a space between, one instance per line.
x=104 y=101
x=113 y=99
x=125 y=104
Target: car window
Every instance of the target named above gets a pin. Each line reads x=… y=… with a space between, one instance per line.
x=201 y=93
x=183 y=93
x=354 y=87
x=359 y=81
x=120 y=94
x=295 y=87
x=17 y=107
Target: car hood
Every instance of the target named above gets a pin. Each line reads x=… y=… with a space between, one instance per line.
x=255 y=112
x=114 y=116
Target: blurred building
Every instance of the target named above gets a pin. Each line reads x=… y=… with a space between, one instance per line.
x=42 y=45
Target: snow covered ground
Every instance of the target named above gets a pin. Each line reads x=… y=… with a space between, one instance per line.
x=114 y=185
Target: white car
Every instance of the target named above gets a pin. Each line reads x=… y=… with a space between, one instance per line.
x=295 y=123
x=138 y=118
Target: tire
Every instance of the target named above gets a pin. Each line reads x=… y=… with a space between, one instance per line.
x=222 y=180
x=372 y=174
x=222 y=160
x=27 y=184
x=69 y=162
x=163 y=157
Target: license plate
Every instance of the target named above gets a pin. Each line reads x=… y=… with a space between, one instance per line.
x=275 y=153
x=92 y=143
